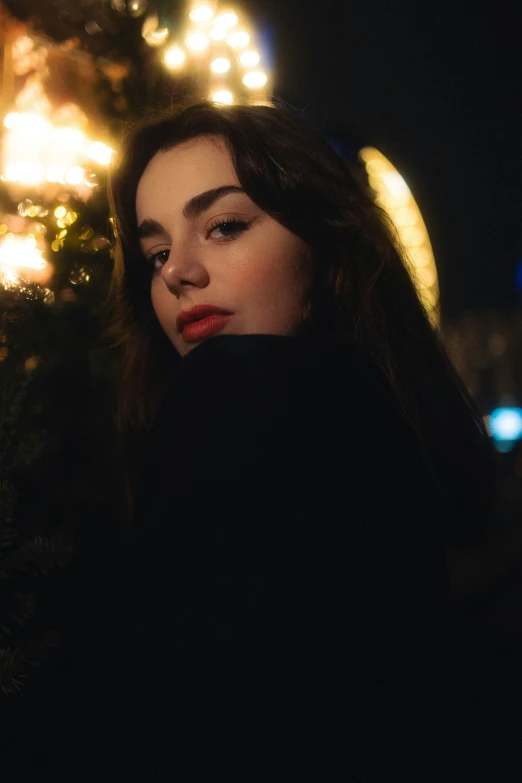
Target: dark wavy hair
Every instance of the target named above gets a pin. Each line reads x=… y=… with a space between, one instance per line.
x=360 y=286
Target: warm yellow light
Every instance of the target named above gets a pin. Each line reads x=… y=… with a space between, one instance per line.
x=60 y=212
x=396 y=185
x=100 y=152
x=226 y=20
x=222 y=96
x=201 y=13
x=412 y=236
x=254 y=79
x=174 y=57
x=75 y=175
x=420 y=256
x=156 y=37
x=10 y=120
x=55 y=173
x=26 y=122
x=238 y=39
x=249 y=59
x=392 y=193
x=218 y=33
x=197 y=42
x=405 y=216
x=18 y=253
x=29 y=173
x=221 y=65
x=69 y=137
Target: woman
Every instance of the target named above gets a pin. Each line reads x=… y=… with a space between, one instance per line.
x=300 y=453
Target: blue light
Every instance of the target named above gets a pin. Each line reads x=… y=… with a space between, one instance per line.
x=518 y=275
x=506 y=423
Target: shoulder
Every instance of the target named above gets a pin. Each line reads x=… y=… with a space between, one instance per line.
x=248 y=396
x=272 y=369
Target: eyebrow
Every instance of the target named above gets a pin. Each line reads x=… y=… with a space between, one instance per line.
x=194 y=207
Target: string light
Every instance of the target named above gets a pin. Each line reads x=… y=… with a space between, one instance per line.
x=201 y=13
x=249 y=59
x=254 y=79
x=197 y=42
x=220 y=65
x=227 y=20
x=174 y=57
x=238 y=39
x=218 y=33
x=222 y=96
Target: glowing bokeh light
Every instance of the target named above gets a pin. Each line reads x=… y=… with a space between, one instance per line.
x=197 y=42
x=254 y=79
x=222 y=96
x=227 y=20
x=393 y=194
x=174 y=57
x=506 y=423
x=218 y=33
x=20 y=259
x=220 y=65
x=202 y=13
x=249 y=59
x=100 y=152
x=238 y=39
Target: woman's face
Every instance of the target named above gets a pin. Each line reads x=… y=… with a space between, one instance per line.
x=220 y=249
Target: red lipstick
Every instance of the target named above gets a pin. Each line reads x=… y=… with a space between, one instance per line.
x=201 y=321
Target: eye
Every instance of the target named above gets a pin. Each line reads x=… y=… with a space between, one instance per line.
x=229 y=228
x=161 y=256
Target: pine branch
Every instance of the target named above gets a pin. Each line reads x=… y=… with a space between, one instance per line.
x=41 y=553
x=8 y=497
x=15 y=661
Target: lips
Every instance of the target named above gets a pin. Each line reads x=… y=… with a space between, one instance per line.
x=197 y=330
x=198 y=313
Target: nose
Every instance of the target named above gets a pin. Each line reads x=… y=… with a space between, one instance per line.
x=183 y=269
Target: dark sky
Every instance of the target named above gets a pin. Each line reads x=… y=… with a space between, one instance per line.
x=438 y=90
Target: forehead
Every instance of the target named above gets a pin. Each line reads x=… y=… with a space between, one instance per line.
x=182 y=172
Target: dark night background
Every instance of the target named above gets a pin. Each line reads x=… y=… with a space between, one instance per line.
x=436 y=88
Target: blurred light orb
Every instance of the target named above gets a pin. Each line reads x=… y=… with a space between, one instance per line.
x=100 y=152
x=249 y=59
x=202 y=13
x=55 y=173
x=227 y=20
x=75 y=175
x=79 y=275
x=396 y=185
x=137 y=7
x=506 y=423
x=24 y=207
x=254 y=79
x=60 y=212
x=197 y=42
x=174 y=57
x=222 y=96
x=26 y=173
x=149 y=25
x=218 y=33
x=220 y=65
x=238 y=39
x=156 y=37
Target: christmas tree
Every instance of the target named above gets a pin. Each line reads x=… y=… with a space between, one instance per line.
x=72 y=75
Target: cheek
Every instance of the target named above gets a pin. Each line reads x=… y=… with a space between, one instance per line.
x=273 y=266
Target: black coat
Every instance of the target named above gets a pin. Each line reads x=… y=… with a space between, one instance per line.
x=281 y=611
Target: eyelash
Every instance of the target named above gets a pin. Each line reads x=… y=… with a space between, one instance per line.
x=241 y=225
